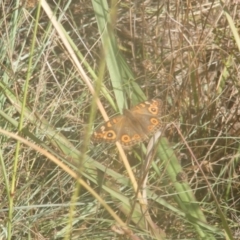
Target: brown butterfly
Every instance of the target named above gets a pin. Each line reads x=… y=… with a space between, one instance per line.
x=134 y=126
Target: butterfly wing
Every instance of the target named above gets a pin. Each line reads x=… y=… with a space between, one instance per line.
x=133 y=127
x=148 y=114
x=109 y=131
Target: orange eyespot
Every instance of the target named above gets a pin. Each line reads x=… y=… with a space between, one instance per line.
x=125 y=138
x=110 y=135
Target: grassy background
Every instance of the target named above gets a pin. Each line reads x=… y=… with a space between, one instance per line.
x=54 y=183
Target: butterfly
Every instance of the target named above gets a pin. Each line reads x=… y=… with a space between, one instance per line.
x=135 y=125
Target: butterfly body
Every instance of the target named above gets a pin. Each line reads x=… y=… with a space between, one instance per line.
x=134 y=126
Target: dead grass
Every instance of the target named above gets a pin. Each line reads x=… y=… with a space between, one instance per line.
x=184 y=52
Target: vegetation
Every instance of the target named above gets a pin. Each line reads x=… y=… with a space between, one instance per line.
x=57 y=59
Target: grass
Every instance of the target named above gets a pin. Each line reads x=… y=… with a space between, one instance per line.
x=59 y=64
